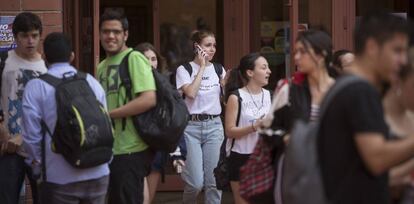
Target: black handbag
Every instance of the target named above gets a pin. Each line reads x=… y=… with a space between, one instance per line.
x=221 y=172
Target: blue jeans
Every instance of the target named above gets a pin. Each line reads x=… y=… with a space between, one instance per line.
x=203 y=140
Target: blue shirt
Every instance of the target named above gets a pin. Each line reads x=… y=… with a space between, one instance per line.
x=39 y=104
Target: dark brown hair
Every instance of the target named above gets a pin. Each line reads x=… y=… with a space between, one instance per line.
x=238 y=76
x=198 y=36
x=25 y=22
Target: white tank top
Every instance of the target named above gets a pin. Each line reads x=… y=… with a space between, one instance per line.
x=251 y=110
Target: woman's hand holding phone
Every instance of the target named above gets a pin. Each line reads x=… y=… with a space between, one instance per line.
x=201 y=54
x=200 y=51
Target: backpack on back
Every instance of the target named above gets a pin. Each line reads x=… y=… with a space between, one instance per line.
x=162 y=126
x=187 y=66
x=302 y=182
x=83 y=132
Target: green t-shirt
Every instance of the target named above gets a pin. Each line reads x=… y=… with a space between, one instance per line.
x=126 y=141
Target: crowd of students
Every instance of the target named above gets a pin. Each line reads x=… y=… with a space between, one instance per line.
x=365 y=148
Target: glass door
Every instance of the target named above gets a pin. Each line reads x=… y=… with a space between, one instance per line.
x=81 y=25
x=273 y=40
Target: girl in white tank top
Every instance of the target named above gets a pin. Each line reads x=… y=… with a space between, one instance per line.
x=245 y=89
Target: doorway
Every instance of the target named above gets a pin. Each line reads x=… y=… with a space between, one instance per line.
x=140 y=19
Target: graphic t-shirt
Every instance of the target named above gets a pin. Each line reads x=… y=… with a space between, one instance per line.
x=207 y=100
x=17 y=72
x=126 y=140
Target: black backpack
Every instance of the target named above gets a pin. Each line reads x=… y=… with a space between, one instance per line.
x=162 y=126
x=83 y=132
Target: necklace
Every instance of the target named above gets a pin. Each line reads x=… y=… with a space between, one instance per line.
x=258 y=108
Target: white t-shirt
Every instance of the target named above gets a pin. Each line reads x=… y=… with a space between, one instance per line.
x=249 y=113
x=207 y=100
x=17 y=72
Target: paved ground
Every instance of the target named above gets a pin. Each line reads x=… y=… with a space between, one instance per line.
x=176 y=198
x=172 y=198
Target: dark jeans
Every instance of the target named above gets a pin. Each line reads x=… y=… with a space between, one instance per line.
x=12 y=171
x=126 y=185
x=83 y=192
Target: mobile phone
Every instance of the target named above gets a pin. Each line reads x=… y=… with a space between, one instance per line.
x=198 y=49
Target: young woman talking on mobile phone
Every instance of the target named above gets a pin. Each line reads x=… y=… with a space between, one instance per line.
x=200 y=82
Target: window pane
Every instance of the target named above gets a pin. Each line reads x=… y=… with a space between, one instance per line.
x=274 y=38
x=178 y=20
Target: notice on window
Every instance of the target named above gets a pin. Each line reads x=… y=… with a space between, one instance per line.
x=6 y=34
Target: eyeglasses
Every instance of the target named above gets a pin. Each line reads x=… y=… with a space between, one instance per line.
x=109 y=31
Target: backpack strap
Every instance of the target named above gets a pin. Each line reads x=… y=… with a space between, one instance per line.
x=44 y=130
x=81 y=75
x=219 y=69
x=163 y=160
x=125 y=81
x=239 y=99
x=237 y=93
x=55 y=81
x=52 y=80
x=187 y=66
x=335 y=89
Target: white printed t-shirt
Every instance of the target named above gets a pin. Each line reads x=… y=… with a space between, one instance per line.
x=207 y=100
x=17 y=72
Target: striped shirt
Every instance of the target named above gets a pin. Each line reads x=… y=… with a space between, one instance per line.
x=314 y=113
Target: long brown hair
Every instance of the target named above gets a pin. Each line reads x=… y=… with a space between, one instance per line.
x=162 y=64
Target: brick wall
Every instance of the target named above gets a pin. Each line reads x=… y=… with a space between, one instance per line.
x=50 y=11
